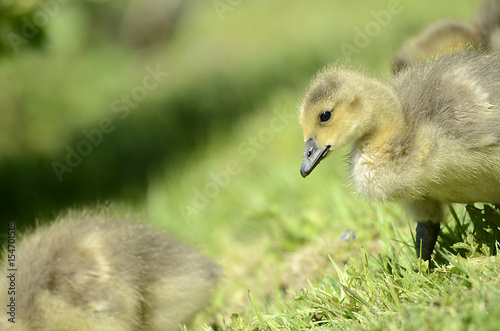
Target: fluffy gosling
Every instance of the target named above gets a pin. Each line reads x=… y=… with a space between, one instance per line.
x=450 y=36
x=488 y=22
x=429 y=137
x=101 y=274
x=441 y=38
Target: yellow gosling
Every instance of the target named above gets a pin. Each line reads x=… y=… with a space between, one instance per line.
x=441 y=38
x=94 y=273
x=450 y=36
x=430 y=136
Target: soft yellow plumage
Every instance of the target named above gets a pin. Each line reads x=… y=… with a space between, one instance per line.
x=430 y=136
x=94 y=273
x=451 y=36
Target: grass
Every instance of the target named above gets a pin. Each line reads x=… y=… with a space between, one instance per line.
x=385 y=293
x=204 y=160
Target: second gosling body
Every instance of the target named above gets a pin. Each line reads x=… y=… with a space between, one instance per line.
x=451 y=36
x=429 y=137
x=95 y=273
x=488 y=22
x=440 y=38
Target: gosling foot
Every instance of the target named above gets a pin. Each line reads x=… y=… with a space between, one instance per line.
x=427 y=233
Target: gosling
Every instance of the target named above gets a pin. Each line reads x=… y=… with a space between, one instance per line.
x=488 y=22
x=431 y=136
x=441 y=38
x=103 y=274
x=451 y=36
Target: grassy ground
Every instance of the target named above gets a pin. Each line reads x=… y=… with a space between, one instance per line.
x=213 y=155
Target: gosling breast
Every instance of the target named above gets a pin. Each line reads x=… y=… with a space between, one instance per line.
x=449 y=148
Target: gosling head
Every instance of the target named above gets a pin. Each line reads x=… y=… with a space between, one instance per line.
x=334 y=112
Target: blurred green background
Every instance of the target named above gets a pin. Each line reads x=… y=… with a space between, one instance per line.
x=209 y=147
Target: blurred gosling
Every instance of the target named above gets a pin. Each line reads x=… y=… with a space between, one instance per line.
x=441 y=38
x=95 y=273
x=451 y=36
x=429 y=137
x=488 y=22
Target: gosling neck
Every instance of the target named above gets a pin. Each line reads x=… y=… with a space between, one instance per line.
x=387 y=120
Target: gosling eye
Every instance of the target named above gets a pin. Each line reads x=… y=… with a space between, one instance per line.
x=325 y=116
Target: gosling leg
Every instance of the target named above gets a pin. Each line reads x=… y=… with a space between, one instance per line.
x=427 y=233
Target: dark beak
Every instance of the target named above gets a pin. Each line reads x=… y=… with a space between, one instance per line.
x=312 y=156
